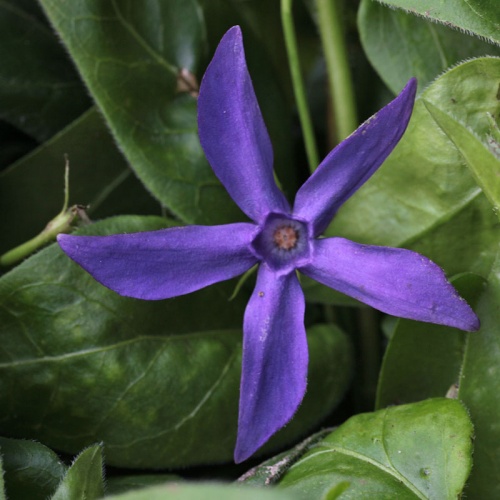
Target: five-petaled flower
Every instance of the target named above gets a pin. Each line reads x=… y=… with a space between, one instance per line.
x=176 y=261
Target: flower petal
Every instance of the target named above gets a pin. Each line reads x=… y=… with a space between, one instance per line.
x=274 y=372
x=396 y=281
x=353 y=161
x=162 y=264
x=233 y=134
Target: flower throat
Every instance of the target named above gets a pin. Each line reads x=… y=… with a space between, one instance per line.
x=285 y=237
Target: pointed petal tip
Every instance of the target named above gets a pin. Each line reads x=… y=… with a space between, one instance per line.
x=472 y=323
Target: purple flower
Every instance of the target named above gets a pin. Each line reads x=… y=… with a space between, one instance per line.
x=175 y=261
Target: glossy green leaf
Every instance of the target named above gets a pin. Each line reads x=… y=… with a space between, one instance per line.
x=477 y=17
x=130 y=55
x=424 y=360
x=201 y=491
x=483 y=164
x=423 y=190
x=31 y=190
x=84 y=479
x=416 y=451
x=400 y=45
x=156 y=381
x=31 y=469
x=39 y=88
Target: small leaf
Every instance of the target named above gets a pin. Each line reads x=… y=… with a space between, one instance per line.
x=485 y=167
x=400 y=45
x=31 y=469
x=421 y=450
x=477 y=17
x=84 y=479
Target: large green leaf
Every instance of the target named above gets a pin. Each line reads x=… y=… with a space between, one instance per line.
x=203 y=491
x=39 y=88
x=423 y=189
x=483 y=164
x=31 y=469
x=478 y=17
x=401 y=46
x=84 y=479
x=31 y=190
x=130 y=55
x=156 y=381
x=417 y=451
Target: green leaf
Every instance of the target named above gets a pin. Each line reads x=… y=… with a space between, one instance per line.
x=478 y=389
x=130 y=55
x=31 y=469
x=156 y=381
x=84 y=479
x=422 y=450
x=483 y=164
x=200 y=491
x=424 y=197
x=31 y=190
x=401 y=46
x=124 y=484
x=424 y=360
x=39 y=88
x=477 y=17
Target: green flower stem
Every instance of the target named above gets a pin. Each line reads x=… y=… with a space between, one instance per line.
x=298 y=84
x=61 y=223
x=337 y=66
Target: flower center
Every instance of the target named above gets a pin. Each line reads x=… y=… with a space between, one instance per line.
x=283 y=242
x=285 y=237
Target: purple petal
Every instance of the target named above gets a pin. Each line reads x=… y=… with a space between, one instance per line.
x=233 y=134
x=162 y=264
x=354 y=161
x=274 y=372
x=396 y=281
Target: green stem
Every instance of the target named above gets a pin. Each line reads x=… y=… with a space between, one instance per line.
x=337 y=66
x=298 y=84
x=59 y=224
